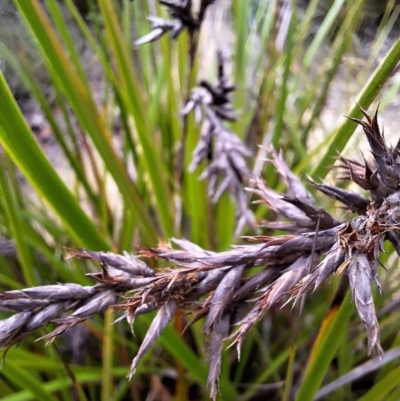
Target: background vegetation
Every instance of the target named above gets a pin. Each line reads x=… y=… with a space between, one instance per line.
x=110 y=122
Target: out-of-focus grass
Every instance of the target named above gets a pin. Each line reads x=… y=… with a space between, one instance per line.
x=130 y=133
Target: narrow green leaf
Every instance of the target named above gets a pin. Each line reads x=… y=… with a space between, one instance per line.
x=15 y=222
x=384 y=387
x=83 y=104
x=366 y=97
x=324 y=349
x=18 y=141
x=323 y=31
x=132 y=94
x=107 y=377
x=23 y=379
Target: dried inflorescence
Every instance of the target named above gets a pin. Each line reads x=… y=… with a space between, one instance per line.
x=183 y=18
x=223 y=151
x=381 y=176
x=212 y=106
x=220 y=287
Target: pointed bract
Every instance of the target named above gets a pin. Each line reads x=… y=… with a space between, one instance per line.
x=159 y=323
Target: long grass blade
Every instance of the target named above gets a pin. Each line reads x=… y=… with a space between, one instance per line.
x=81 y=101
x=324 y=350
x=366 y=97
x=32 y=162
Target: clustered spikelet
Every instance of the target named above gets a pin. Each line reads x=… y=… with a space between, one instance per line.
x=220 y=287
x=223 y=151
x=183 y=18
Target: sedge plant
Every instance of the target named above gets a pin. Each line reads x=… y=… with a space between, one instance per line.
x=160 y=151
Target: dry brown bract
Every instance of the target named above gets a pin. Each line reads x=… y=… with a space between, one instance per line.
x=224 y=153
x=183 y=18
x=220 y=286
